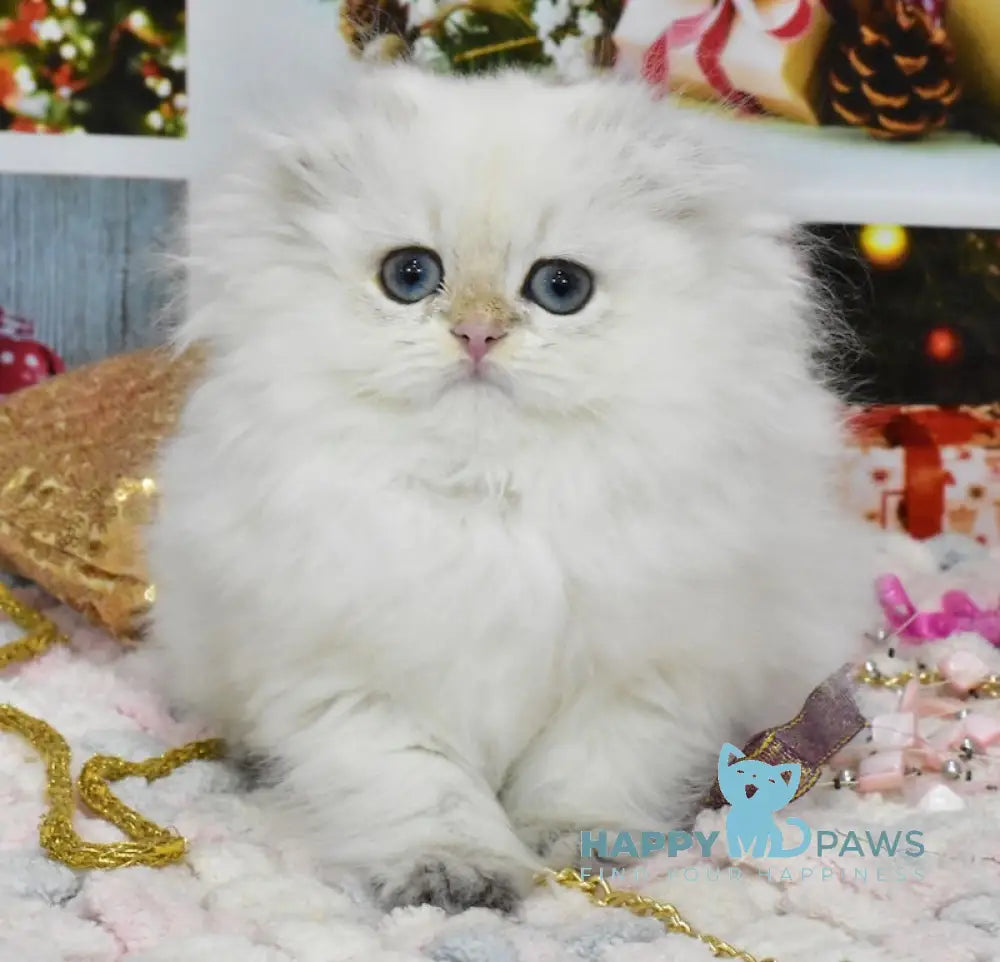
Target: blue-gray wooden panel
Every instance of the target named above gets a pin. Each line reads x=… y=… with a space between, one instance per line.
x=76 y=257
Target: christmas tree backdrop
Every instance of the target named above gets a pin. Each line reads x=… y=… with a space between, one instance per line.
x=925 y=306
x=97 y=66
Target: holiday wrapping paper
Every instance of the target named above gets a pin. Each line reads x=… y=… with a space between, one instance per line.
x=758 y=53
x=927 y=470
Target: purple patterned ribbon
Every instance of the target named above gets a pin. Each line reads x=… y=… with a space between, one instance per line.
x=829 y=719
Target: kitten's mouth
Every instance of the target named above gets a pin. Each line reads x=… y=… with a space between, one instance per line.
x=481 y=376
x=751 y=790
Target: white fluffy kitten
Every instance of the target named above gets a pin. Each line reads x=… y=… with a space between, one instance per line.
x=485 y=569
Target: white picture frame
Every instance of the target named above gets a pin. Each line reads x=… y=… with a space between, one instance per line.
x=213 y=54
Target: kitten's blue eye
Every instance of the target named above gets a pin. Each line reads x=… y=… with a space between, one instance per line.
x=558 y=286
x=411 y=274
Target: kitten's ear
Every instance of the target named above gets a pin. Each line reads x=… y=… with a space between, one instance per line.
x=294 y=167
x=308 y=167
x=729 y=755
x=790 y=774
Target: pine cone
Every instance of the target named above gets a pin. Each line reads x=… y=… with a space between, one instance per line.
x=362 y=21
x=892 y=71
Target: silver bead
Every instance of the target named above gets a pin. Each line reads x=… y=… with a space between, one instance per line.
x=952 y=769
x=962 y=714
x=871 y=669
x=845 y=778
x=879 y=637
x=966 y=749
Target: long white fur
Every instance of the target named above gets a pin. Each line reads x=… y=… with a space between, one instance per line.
x=470 y=616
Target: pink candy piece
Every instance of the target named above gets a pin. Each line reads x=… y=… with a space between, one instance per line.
x=911 y=696
x=916 y=699
x=896 y=730
x=946 y=739
x=926 y=756
x=882 y=772
x=982 y=730
x=932 y=706
x=963 y=670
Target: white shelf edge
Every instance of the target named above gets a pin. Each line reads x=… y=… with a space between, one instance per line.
x=840 y=176
x=95 y=155
x=825 y=180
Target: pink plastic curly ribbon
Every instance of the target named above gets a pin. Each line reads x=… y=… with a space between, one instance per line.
x=959 y=613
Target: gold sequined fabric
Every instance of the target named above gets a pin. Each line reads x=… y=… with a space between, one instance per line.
x=76 y=454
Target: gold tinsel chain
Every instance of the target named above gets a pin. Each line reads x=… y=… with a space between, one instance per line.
x=599 y=892
x=989 y=687
x=151 y=844
x=41 y=633
x=155 y=846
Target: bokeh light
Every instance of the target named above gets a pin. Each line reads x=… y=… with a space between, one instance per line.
x=943 y=344
x=886 y=246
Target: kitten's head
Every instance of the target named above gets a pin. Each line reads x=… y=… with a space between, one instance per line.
x=422 y=241
x=747 y=783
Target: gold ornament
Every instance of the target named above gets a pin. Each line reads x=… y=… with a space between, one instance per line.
x=974 y=29
x=76 y=456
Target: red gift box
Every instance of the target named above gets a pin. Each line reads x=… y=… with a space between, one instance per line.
x=927 y=470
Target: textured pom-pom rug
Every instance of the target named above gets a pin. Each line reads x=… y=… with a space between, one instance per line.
x=240 y=894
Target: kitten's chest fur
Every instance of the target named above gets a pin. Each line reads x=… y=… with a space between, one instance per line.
x=479 y=594
x=496 y=599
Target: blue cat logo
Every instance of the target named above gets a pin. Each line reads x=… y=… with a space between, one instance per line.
x=756 y=790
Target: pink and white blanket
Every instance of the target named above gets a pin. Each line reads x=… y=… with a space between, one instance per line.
x=241 y=895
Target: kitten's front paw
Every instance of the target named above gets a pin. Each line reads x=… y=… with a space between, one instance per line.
x=452 y=885
x=557 y=847
x=254 y=770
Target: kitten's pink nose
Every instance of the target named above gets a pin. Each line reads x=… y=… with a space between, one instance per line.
x=478 y=336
